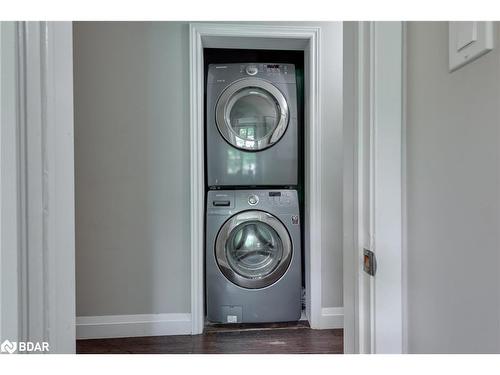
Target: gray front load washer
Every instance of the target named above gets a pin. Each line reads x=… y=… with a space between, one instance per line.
x=253 y=256
x=251 y=125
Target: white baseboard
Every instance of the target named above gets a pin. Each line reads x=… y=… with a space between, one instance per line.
x=108 y=326
x=332 y=317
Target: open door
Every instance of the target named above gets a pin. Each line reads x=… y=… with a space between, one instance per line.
x=374 y=139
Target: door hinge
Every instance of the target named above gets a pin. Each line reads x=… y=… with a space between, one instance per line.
x=369 y=262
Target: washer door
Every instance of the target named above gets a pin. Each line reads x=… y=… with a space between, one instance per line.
x=252 y=114
x=253 y=249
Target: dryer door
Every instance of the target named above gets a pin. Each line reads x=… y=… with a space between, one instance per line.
x=252 y=114
x=253 y=249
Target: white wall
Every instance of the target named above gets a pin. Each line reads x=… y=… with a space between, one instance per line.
x=132 y=167
x=453 y=196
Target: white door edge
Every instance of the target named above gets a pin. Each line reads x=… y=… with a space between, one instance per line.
x=45 y=196
x=375 y=151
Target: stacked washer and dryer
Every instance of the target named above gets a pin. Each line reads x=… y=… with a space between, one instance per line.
x=253 y=236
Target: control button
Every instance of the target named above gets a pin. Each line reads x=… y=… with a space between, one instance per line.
x=253 y=199
x=252 y=70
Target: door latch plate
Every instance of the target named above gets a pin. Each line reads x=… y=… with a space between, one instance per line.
x=369 y=262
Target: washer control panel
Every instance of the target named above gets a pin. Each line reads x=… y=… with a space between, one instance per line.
x=279 y=198
x=227 y=202
x=221 y=200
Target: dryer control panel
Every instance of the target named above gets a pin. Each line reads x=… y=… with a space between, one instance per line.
x=274 y=72
x=266 y=69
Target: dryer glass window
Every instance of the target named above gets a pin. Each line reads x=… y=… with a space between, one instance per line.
x=253 y=114
x=254 y=249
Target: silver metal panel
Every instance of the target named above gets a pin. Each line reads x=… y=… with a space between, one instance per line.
x=279 y=301
x=228 y=165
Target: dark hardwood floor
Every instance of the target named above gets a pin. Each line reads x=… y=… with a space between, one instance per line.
x=296 y=338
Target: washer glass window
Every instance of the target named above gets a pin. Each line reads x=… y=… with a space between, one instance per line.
x=254 y=249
